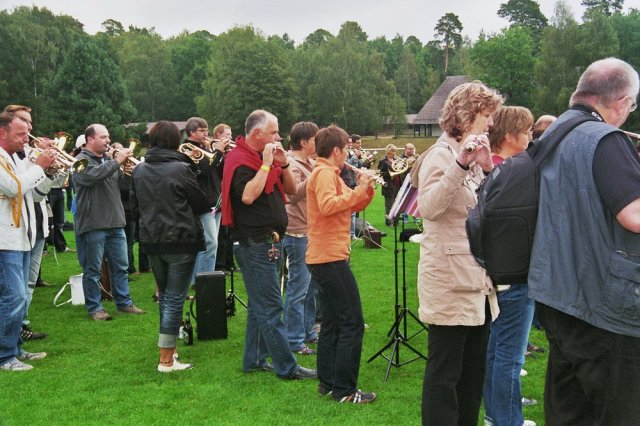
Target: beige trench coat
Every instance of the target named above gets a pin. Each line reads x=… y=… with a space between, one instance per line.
x=452 y=287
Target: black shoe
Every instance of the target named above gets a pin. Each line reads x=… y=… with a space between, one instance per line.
x=262 y=367
x=41 y=283
x=358 y=397
x=324 y=390
x=302 y=373
x=27 y=334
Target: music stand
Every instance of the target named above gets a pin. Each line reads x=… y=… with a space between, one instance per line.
x=398 y=333
x=232 y=296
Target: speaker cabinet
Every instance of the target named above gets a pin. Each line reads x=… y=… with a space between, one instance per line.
x=211 y=318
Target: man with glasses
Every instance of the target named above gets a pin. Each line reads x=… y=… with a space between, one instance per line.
x=585 y=265
x=210 y=181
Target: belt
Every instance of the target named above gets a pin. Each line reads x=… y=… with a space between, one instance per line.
x=502 y=287
x=269 y=238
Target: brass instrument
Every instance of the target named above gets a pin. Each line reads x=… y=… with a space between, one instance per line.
x=401 y=165
x=228 y=148
x=196 y=154
x=133 y=142
x=63 y=162
x=632 y=135
x=375 y=176
x=368 y=156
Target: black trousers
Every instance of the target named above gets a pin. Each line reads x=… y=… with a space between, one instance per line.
x=340 y=342
x=593 y=375
x=454 y=375
x=56 y=199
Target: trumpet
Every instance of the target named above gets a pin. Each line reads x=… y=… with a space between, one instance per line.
x=376 y=177
x=369 y=156
x=63 y=163
x=196 y=154
x=228 y=148
x=130 y=160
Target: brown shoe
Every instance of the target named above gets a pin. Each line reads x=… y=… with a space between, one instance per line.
x=101 y=315
x=131 y=309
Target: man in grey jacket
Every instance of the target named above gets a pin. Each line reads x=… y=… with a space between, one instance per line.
x=100 y=224
x=584 y=271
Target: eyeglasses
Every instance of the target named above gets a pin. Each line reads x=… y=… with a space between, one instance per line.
x=634 y=104
x=203 y=130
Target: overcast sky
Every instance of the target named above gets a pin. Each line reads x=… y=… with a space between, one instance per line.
x=298 y=18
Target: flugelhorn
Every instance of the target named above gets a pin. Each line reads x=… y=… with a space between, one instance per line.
x=64 y=161
x=196 y=154
x=376 y=177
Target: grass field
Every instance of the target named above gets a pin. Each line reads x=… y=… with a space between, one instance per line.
x=105 y=372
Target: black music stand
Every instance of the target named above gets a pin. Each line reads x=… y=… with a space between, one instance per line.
x=398 y=334
x=232 y=296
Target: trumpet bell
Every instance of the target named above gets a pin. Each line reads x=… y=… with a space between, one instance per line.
x=79 y=166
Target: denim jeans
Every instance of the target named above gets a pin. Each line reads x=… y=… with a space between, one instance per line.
x=265 y=333
x=14 y=275
x=206 y=260
x=340 y=343
x=299 y=303
x=111 y=243
x=505 y=354
x=34 y=270
x=173 y=276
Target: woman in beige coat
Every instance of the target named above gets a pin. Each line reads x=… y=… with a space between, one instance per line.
x=457 y=298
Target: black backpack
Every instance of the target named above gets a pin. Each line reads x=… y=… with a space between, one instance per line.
x=502 y=225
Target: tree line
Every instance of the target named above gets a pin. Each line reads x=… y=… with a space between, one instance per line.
x=132 y=75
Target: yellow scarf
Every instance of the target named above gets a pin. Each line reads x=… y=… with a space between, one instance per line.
x=15 y=202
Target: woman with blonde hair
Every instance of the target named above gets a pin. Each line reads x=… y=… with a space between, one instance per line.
x=392 y=184
x=457 y=298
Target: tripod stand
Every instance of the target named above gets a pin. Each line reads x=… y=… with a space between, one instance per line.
x=232 y=296
x=398 y=334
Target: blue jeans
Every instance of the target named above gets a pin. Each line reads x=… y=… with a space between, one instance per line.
x=111 y=243
x=300 y=303
x=34 y=270
x=265 y=333
x=173 y=276
x=505 y=357
x=340 y=344
x=206 y=260
x=14 y=275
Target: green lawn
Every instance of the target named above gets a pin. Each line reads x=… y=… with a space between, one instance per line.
x=105 y=373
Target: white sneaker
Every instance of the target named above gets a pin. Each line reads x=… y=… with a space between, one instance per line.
x=528 y=401
x=529 y=423
x=176 y=366
x=31 y=356
x=523 y=372
x=15 y=364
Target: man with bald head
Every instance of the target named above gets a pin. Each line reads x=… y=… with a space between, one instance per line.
x=585 y=263
x=100 y=223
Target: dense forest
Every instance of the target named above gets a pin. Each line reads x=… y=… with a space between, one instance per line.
x=132 y=75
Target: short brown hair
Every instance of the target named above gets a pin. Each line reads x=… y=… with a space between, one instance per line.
x=328 y=138
x=164 y=134
x=509 y=120
x=301 y=131
x=462 y=105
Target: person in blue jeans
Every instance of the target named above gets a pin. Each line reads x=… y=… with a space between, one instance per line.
x=17 y=227
x=100 y=223
x=170 y=231
x=300 y=300
x=509 y=333
x=256 y=178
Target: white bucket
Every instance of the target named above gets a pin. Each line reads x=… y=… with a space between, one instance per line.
x=77 y=292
